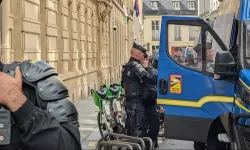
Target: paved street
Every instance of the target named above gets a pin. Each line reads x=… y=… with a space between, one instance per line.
x=88 y=123
x=90 y=133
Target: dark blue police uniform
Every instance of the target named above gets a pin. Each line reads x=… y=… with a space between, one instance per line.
x=134 y=78
x=149 y=103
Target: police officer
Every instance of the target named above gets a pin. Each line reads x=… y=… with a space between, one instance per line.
x=134 y=78
x=149 y=103
x=209 y=56
x=42 y=115
x=177 y=55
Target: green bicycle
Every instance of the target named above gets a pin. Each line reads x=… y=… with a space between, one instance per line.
x=118 y=108
x=104 y=98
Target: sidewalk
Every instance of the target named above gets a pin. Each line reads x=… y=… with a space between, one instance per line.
x=88 y=123
x=90 y=133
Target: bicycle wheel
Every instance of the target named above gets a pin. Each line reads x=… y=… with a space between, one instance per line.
x=101 y=126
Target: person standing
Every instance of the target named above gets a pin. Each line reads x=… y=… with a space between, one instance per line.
x=134 y=78
x=150 y=104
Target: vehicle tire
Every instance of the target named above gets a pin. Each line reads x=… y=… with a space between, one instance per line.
x=199 y=146
x=214 y=143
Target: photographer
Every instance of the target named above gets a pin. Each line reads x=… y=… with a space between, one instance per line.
x=42 y=116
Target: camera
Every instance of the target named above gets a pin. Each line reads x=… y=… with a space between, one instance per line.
x=114 y=27
x=5 y=125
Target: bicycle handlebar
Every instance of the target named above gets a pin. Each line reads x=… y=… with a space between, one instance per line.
x=103 y=86
x=115 y=84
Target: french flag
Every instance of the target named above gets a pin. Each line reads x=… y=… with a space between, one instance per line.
x=136 y=8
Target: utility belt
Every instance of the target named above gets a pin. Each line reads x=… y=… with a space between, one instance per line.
x=133 y=96
x=135 y=99
x=145 y=93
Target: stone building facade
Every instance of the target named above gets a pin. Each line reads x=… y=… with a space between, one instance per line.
x=138 y=25
x=86 y=41
x=153 y=11
x=208 y=9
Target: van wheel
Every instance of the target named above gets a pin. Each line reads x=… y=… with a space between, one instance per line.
x=214 y=143
x=199 y=146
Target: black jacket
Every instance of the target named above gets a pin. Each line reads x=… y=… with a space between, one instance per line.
x=132 y=75
x=134 y=79
x=149 y=101
x=33 y=128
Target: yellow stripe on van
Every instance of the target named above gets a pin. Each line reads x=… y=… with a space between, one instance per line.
x=201 y=102
x=244 y=84
x=197 y=104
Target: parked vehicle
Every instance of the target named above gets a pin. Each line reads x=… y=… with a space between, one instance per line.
x=207 y=101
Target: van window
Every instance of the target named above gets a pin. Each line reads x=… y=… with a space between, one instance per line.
x=181 y=48
x=189 y=53
x=248 y=43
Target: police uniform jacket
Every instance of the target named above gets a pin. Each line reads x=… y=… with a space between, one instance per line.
x=47 y=120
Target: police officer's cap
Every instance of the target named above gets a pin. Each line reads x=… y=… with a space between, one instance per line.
x=140 y=48
x=198 y=47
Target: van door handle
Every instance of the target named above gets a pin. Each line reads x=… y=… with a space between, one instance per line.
x=163 y=86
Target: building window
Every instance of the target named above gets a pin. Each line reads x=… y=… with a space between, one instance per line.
x=176 y=5
x=155 y=31
x=191 y=33
x=191 y=5
x=154 y=5
x=155 y=47
x=177 y=32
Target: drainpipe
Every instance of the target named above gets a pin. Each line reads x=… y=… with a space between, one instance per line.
x=110 y=47
x=5 y=49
